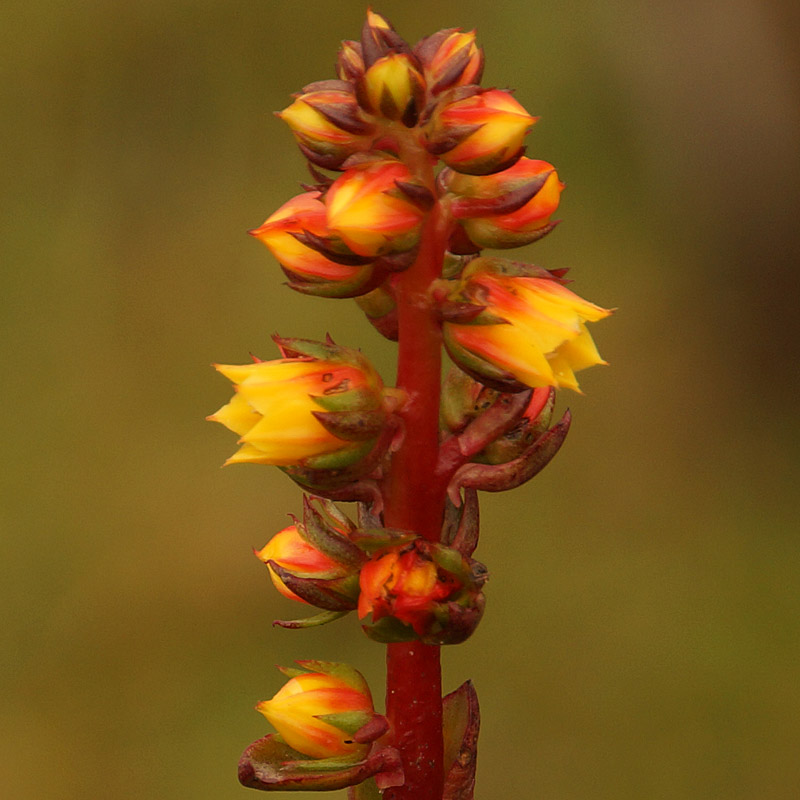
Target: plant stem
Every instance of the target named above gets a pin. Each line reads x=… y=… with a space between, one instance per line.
x=415 y=501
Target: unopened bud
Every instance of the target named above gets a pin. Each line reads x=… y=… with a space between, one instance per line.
x=479 y=133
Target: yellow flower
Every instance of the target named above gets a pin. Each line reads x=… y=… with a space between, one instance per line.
x=308 y=270
x=296 y=709
x=284 y=410
x=368 y=211
x=535 y=335
x=327 y=123
x=521 y=226
x=290 y=550
x=394 y=88
x=481 y=133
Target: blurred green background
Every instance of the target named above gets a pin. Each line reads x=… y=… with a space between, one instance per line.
x=641 y=638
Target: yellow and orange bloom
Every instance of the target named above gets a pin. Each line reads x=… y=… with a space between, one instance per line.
x=404 y=584
x=369 y=212
x=308 y=270
x=290 y=550
x=316 y=561
x=532 y=333
x=285 y=410
x=480 y=133
x=328 y=124
x=450 y=58
x=394 y=88
x=522 y=225
x=299 y=709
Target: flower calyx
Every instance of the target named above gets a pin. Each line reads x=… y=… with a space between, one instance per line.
x=327 y=734
x=496 y=441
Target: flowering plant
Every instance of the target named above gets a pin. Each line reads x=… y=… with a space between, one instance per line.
x=416 y=169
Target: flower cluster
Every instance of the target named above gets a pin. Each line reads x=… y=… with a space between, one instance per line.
x=403 y=587
x=394 y=112
x=416 y=169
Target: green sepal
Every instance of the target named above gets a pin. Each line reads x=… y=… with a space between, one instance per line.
x=369 y=540
x=485 y=233
x=338 y=459
x=488 y=318
x=381 y=311
x=329 y=509
x=457 y=405
x=377 y=303
x=352 y=426
x=389 y=630
x=506 y=267
x=483 y=371
x=343 y=481
x=269 y=764
x=486 y=165
x=328 y=540
x=323 y=618
x=453 y=264
x=292 y=672
x=321 y=351
x=362 y=399
x=361 y=283
x=348 y=721
x=451 y=561
x=330 y=594
x=347 y=674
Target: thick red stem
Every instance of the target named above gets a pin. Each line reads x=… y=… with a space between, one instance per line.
x=415 y=501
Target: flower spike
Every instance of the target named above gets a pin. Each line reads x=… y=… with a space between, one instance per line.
x=415 y=169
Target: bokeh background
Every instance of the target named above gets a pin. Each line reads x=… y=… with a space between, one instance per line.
x=641 y=638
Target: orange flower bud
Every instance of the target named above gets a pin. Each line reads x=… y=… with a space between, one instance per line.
x=299 y=709
x=521 y=226
x=406 y=585
x=531 y=331
x=308 y=270
x=394 y=88
x=450 y=58
x=480 y=133
x=284 y=410
x=327 y=123
x=370 y=213
x=289 y=550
